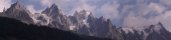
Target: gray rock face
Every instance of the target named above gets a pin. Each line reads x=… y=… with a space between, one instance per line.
x=87 y=24
x=58 y=19
x=41 y=19
x=153 y=32
x=18 y=12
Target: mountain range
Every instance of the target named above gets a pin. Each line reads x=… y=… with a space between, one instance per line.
x=12 y=29
x=85 y=23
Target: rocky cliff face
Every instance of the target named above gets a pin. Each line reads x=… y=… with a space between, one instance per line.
x=19 y=12
x=87 y=24
x=58 y=20
x=152 y=32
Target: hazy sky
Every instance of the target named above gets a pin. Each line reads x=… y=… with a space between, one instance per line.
x=126 y=13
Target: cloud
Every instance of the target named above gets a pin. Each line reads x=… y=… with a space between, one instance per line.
x=138 y=21
x=46 y=2
x=110 y=10
x=61 y=3
x=4 y=4
x=166 y=2
x=140 y=15
x=82 y=5
x=166 y=17
x=72 y=27
x=32 y=9
x=41 y=19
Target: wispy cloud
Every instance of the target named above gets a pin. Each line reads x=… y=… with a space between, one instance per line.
x=4 y=4
x=109 y=10
x=46 y=2
x=32 y=9
x=166 y=20
x=140 y=15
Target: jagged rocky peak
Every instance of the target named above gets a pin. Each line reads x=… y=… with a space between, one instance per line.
x=83 y=14
x=110 y=23
x=152 y=32
x=161 y=25
x=103 y=18
x=156 y=27
x=91 y=14
x=57 y=19
x=76 y=13
x=108 y=20
x=52 y=11
x=146 y=29
x=4 y=10
x=54 y=6
x=18 y=12
x=80 y=17
x=17 y=5
x=86 y=13
x=1 y=13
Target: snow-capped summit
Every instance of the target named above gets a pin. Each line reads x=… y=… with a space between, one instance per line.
x=58 y=20
x=52 y=11
x=41 y=19
x=152 y=32
x=82 y=14
x=18 y=6
x=79 y=19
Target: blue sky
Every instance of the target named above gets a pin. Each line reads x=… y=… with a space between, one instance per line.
x=125 y=13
